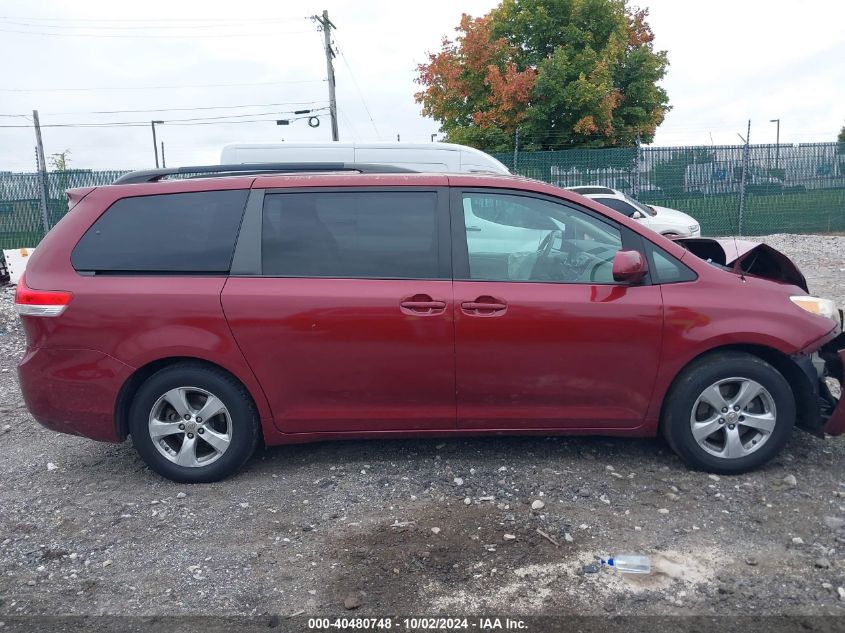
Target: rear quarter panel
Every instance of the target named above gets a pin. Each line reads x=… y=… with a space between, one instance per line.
x=135 y=319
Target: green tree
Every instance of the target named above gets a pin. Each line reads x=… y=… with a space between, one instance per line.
x=567 y=73
x=60 y=161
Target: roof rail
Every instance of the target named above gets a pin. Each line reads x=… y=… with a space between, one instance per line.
x=211 y=171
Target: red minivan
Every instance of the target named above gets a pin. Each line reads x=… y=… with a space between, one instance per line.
x=205 y=310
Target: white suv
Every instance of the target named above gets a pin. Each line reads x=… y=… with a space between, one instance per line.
x=668 y=222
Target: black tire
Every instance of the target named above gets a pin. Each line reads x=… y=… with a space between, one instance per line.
x=695 y=379
x=245 y=426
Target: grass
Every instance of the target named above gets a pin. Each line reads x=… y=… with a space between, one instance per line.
x=814 y=211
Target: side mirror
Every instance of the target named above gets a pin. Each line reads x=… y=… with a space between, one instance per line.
x=637 y=216
x=629 y=267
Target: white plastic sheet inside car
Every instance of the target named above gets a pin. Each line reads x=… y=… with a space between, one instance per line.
x=16 y=260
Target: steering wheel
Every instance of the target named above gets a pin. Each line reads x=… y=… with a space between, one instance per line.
x=547 y=243
x=540 y=268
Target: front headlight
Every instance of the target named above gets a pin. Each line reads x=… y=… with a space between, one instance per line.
x=693 y=228
x=821 y=307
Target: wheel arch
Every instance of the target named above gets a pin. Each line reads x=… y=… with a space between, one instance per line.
x=141 y=374
x=804 y=392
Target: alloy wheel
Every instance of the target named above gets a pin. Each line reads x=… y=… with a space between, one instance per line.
x=733 y=418
x=190 y=426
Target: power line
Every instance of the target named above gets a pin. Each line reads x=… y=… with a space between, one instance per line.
x=358 y=89
x=198 y=108
x=232 y=85
x=299 y=118
x=142 y=27
x=138 y=20
x=191 y=121
x=157 y=36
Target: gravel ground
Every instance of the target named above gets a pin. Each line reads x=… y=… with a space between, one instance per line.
x=490 y=525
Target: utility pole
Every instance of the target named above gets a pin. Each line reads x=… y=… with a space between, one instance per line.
x=515 y=149
x=326 y=25
x=744 y=177
x=155 y=143
x=163 y=162
x=637 y=159
x=42 y=172
x=777 y=142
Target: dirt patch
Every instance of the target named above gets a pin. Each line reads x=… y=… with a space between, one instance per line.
x=490 y=557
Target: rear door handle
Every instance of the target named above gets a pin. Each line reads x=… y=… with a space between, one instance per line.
x=422 y=304
x=484 y=306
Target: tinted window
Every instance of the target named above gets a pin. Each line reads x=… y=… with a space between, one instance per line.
x=350 y=234
x=183 y=232
x=617 y=205
x=530 y=239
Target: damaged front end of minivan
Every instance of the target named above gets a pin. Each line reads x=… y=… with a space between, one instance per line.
x=822 y=366
x=832 y=381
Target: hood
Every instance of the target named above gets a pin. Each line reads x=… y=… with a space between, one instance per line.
x=673 y=215
x=745 y=257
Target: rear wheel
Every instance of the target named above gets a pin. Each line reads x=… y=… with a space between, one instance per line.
x=729 y=413
x=193 y=423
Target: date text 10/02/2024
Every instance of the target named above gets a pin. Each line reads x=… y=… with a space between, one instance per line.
x=416 y=624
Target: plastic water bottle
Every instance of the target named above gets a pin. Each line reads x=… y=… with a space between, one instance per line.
x=629 y=563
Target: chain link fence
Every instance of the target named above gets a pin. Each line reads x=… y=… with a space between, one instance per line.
x=785 y=188
x=21 y=217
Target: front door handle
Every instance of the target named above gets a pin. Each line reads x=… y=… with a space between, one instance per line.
x=422 y=304
x=484 y=306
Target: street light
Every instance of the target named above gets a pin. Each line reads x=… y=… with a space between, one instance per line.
x=777 y=142
x=155 y=143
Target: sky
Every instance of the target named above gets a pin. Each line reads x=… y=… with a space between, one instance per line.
x=184 y=62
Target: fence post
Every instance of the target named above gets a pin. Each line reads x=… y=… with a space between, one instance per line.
x=42 y=173
x=637 y=157
x=744 y=178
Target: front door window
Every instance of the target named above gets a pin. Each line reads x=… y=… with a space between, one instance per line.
x=518 y=238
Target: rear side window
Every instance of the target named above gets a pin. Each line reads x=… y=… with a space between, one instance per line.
x=173 y=233
x=372 y=234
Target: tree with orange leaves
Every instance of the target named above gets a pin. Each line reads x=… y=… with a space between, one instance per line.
x=567 y=73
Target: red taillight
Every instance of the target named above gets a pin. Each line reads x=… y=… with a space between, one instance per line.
x=48 y=303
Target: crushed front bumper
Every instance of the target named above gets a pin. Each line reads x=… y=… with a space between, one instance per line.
x=832 y=407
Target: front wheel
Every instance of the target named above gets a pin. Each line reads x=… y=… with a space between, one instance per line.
x=729 y=413
x=193 y=424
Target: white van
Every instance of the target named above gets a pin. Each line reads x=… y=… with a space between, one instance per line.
x=429 y=157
